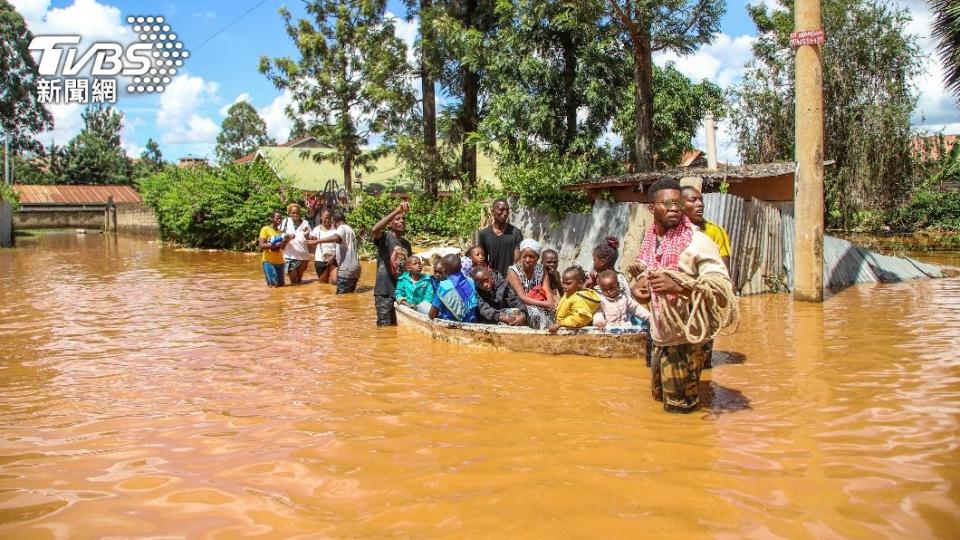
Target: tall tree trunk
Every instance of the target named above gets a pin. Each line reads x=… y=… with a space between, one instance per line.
x=469 y=112
x=643 y=94
x=348 y=171
x=428 y=42
x=570 y=95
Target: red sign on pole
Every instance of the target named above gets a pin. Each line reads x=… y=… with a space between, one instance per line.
x=807 y=37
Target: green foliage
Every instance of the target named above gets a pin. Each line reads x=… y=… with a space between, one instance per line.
x=216 y=207
x=933 y=204
x=95 y=156
x=946 y=30
x=456 y=217
x=242 y=132
x=679 y=107
x=21 y=114
x=351 y=65
x=537 y=178
x=8 y=194
x=868 y=63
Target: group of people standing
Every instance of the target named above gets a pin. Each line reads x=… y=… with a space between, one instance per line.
x=509 y=280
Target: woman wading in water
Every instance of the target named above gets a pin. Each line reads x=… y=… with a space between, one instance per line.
x=531 y=282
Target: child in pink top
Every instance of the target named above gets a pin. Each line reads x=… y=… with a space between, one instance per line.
x=616 y=304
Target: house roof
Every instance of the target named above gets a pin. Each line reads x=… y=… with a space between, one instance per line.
x=291 y=143
x=62 y=194
x=730 y=173
x=299 y=166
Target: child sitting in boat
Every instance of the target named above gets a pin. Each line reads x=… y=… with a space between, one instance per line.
x=550 y=261
x=497 y=302
x=472 y=258
x=578 y=305
x=617 y=306
x=456 y=296
x=414 y=289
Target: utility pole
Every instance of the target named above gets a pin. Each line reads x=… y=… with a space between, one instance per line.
x=808 y=189
x=6 y=161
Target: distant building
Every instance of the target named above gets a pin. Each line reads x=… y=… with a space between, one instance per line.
x=931 y=147
x=192 y=161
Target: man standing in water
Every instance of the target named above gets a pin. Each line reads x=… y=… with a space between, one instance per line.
x=501 y=241
x=693 y=209
x=392 y=252
x=673 y=243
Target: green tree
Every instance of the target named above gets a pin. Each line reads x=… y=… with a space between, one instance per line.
x=868 y=63
x=679 y=107
x=946 y=30
x=242 y=132
x=151 y=157
x=95 y=156
x=21 y=114
x=351 y=80
x=422 y=152
x=648 y=26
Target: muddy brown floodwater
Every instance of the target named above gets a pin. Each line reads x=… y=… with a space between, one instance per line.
x=154 y=392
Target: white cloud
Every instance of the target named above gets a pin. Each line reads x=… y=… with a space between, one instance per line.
x=88 y=18
x=32 y=10
x=275 y=116
x=720 y=62
x=67 y=123
x=178 y=118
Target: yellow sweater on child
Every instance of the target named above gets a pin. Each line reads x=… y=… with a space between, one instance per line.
x=576 y=310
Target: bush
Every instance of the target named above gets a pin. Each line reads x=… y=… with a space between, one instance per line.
x=454 y=218
x=537 y=178
x=221 y=208
x=929 y=208
x=8 y=194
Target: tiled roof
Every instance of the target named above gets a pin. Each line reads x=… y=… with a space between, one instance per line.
x=60 y=194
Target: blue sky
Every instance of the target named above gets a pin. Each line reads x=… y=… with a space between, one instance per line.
x=222 y=69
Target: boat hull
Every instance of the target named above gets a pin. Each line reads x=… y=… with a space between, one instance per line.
x=616 y=342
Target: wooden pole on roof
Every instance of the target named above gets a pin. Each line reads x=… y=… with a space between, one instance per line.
x=808 y=202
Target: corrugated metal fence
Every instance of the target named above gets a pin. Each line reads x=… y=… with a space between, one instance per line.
x=761 y=238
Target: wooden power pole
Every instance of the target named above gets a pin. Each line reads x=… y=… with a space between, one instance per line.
x=808 y=200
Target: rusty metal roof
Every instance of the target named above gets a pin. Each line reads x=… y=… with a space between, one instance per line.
x=60 y=194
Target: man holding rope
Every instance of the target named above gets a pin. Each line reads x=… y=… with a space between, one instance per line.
x=692 y=298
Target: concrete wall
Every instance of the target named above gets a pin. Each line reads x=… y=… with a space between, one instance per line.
x=6 y=224
x=136 y=218
x=59 y=217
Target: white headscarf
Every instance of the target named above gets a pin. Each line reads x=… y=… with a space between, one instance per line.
x=531 y=244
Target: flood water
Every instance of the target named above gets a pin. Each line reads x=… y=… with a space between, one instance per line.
x=154 y=392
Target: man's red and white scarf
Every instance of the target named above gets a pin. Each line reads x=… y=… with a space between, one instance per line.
x=672 y=244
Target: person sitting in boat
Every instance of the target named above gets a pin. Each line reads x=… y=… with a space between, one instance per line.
x=456 y=296
x=497 y=303
x=438 y=273
x=550 y=261
x=529 y=279
x=414 y=288
x=578 y=305
x=617 y=305
x=605 y=256
x=474 y=256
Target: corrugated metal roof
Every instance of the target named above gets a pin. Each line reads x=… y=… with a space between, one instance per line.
x=59 y=194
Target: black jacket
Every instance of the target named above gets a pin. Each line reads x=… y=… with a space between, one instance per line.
x=490 y=304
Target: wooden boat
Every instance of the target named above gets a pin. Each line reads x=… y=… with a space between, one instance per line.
x=615 y=342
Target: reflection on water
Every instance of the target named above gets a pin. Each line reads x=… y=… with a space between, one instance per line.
x=151 y=391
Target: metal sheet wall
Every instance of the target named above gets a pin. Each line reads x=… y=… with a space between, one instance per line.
x=761 y=239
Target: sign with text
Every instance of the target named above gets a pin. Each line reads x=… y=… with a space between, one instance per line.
x=807 y=37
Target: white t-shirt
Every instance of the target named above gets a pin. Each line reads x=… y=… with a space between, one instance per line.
x=348 y=261
x=296 y=248
x=326 y=248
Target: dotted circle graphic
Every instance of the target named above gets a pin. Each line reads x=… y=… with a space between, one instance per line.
x=165 y=53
